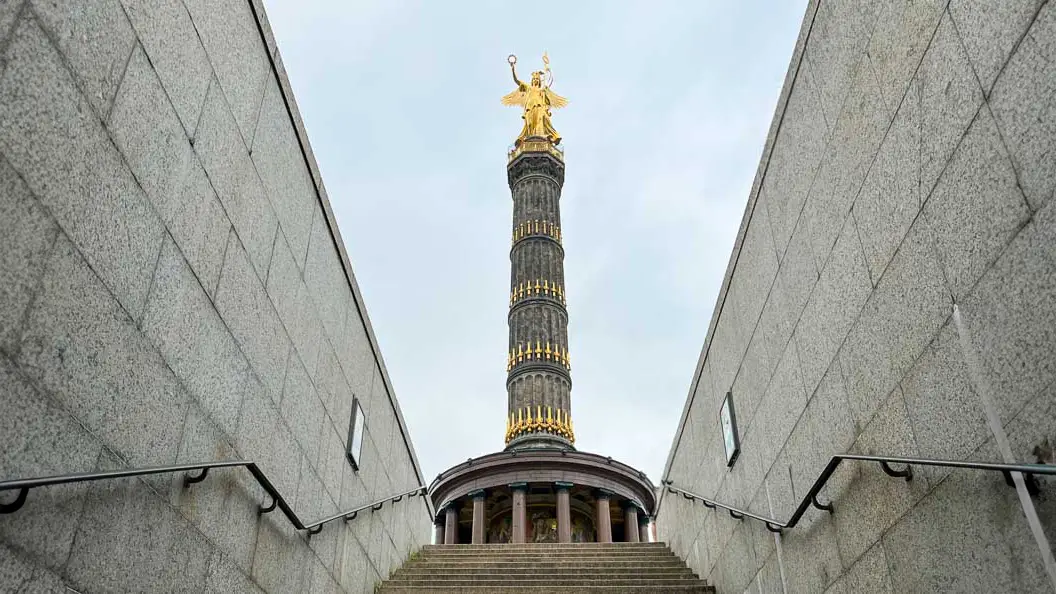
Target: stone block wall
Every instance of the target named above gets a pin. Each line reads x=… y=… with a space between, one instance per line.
x=910 y=166
x=174 y=289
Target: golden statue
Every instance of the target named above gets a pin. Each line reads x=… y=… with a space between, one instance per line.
x=536 y=98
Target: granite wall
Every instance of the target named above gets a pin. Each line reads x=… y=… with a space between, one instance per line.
x=173 y=288
x=910 y=166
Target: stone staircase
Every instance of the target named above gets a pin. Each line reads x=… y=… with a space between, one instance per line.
x=539 y=568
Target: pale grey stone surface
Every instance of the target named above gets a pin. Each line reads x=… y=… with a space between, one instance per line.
x=160 y=549
x=759 y=258
x=281 y=559
x=8 y=13
x=149 y=134
x=976 y=207
x=290 y=296
x=890 y=198
x=1021 y=100
x=868 y=574
x=229 y=33
x=903 y=31
x=903 y=314
x=994 y=552
x=27 y=233
x=838 y=297
x=950 y=96
x=938 y=383
x=226 y=160
x=325 y=278
x=302 y=409
x=181 y=321
x=96 y=39
x=799 y=147
x=278 y=158
x=840 y=34
x=811 y=556
x=223 y=507
x=20 y=575
x=876 y=499
x=826 y=428
x=851 y=151
x=1010 y=317
x=225 y=578
x=41 y=439
x=52 y=138
x=264 y=437
x=990 y=29
x=251 y=317
x=169 y=37
x=80 y=346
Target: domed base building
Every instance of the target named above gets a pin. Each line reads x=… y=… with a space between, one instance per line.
x=542 y=495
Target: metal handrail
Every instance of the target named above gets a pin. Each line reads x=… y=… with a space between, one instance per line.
x=277 y=500
x=811 y=498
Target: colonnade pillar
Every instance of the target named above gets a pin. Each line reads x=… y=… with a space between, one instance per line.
x=451 y=524
x=520 y=512
x=630 y=523
x=643 y=528
x=438 y=527
x=478 y=516
x=564 y=512
x=604 y=519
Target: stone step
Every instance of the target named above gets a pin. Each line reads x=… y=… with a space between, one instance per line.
x=567 y=582
x=550 y=552
x=545 y=568
x=689 y=589
x=530 y=573
x=596 y=547
x=546 y=545
x=556 y=567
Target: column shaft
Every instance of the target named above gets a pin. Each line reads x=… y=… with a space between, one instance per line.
x=478 y=517
x=630 y=524
x=438 y=526
x=520 y=516
x=451 y=527
x=604 y=519
x=564 y=513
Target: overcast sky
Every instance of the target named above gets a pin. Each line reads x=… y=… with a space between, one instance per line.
x=670 y=105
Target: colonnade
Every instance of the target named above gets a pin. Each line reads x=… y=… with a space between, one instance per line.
x=636 y=528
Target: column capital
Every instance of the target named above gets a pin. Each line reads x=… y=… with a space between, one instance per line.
x=477 y=494
x=603 y=493
x=562 y=485
x=518 y=486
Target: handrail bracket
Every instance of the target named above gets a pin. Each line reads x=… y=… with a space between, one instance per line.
x=822 y=506
x=906 y=474
x=13 y=506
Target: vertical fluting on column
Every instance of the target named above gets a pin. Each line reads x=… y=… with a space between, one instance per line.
x=539 y=381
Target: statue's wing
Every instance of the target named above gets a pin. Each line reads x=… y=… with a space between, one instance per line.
x=515 y=98
x=556 y=101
